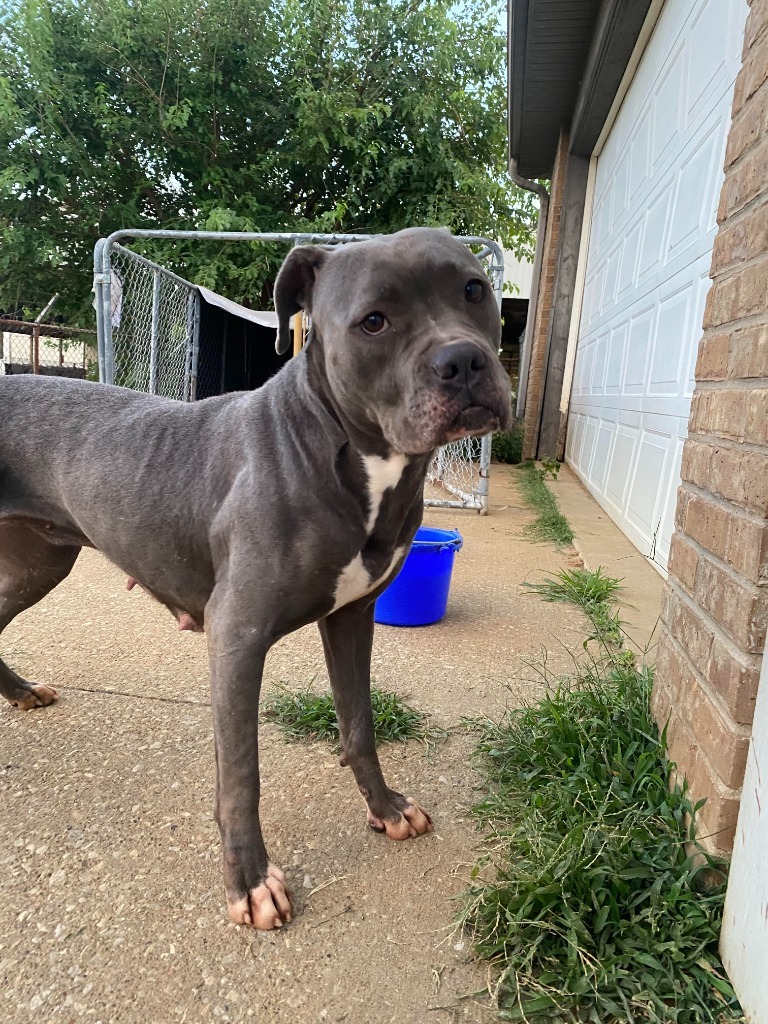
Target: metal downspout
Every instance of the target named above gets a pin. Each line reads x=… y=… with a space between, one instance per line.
x=525 y=356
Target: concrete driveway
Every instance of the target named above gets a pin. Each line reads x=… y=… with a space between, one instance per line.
x=111 y=904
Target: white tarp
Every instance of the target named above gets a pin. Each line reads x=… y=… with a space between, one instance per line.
x=263 y=317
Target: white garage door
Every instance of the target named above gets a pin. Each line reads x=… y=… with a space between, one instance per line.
x=657 y=186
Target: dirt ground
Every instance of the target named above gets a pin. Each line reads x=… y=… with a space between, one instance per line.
x=111 y=904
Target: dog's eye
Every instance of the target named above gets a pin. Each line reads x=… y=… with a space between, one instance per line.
x=474 y=290
x=374 y=323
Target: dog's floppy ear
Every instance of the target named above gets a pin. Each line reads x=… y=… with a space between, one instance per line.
x=293 y=288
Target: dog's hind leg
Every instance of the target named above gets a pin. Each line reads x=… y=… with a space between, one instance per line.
x=30 y=567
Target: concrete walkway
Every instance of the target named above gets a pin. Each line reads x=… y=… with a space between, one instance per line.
x=111 y=905
x=600 y=542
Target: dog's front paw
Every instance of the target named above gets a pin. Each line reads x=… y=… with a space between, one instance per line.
x=33 y=695
x=406 y=819
x=266 y=906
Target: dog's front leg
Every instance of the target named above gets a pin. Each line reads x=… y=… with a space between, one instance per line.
x=255 y=888
x=347 y=639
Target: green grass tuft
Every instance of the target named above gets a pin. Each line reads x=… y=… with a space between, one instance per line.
x=593 y=592
x=550 y=524
x=305 y=714
x=507 y=445
x=591 y=908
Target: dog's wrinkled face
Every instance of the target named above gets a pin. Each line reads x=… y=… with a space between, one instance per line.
x=410 y=331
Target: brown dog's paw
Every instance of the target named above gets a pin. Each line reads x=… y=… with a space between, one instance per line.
x=34 y=695
x=413 y=821
x=267 y=906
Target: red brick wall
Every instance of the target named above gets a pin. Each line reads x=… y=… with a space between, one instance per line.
x=544 y=305
x=715 y=605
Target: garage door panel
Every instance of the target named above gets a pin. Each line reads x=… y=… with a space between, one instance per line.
x=588 y=443
x=694 y=187
x=716 y=34
x=585 y=370
x=603 y=442
x=629 y=255
x=656 y=191
x=622 y=458
x=672 y=324
x=608 y=297
x=654 y=243
x=600 y=365
x=663 y=537
x=640 y=333
x=702 y=287
x=665 y=122
x=574 y=439
x=601 y=224
x=616 y=349
x=702 y=73
x=640 y=155
x=642 y=510
x=619 y=191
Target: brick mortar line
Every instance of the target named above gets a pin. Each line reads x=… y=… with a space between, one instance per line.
x=742 y=731
x=727 y=792
x=740 y=212
x=760 y=37
x=754 y=320
x=735 y=577
x=719 y=441
x=707 y=385
x=723 y=503
x=747 y=100
x=745 y=731
x=747 y=107
x=749 y=208
x=736 y=324
x=726 y=272
x=716 y=627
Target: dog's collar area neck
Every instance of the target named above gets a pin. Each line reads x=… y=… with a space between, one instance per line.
x=365 y=436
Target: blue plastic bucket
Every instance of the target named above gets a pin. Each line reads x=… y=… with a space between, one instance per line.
x=418 y=595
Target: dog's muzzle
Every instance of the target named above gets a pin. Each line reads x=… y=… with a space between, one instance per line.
x=472 y=390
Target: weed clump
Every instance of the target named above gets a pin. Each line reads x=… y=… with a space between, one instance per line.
x=588 y=902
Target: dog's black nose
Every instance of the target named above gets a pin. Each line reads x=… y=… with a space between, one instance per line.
x=459 y=362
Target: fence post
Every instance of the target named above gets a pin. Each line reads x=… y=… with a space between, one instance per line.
x=36 y=348
x=298 y=330
x=195 y=347
x=154 y=330
x=190 y=357
x=98 y=305
x=483 y=484
x=106 y=294
x=440 y=464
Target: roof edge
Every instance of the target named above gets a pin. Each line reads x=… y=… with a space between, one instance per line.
x=617 y=31
x=517 y=36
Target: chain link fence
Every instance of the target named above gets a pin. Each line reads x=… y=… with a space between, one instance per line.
x=149 y=339
x=152 y=314
x=458 y=469
x=49 y=349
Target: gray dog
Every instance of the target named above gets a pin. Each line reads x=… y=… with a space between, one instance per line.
x=253 y=514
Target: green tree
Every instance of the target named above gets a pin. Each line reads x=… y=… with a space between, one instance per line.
x=325 y=115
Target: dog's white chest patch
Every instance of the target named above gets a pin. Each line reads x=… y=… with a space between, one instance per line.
x=383 y=474
x=355 y=581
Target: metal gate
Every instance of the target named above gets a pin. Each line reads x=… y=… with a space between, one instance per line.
x=148 y=324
